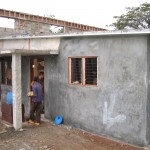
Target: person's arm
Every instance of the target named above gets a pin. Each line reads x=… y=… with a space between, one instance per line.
x=32 y=83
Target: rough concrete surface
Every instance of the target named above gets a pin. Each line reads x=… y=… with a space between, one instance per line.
x=48 y=136
x=116 y=107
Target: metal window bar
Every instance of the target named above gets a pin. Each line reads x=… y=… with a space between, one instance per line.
x=91 y=71
x=76 y=70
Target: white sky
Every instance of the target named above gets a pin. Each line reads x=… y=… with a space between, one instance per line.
x=98 y=13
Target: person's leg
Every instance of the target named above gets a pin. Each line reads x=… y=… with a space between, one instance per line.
x=42 y=108
x=38 y=112
x=32 y=111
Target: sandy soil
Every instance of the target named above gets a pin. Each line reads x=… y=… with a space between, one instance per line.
x=48 y=136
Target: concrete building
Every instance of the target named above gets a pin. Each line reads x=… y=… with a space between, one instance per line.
x=98 y=81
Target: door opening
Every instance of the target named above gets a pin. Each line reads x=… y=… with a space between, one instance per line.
x=37 y=69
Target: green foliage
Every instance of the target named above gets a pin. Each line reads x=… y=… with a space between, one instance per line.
x=135 y=18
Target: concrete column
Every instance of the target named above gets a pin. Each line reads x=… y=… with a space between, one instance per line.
x=17 y=91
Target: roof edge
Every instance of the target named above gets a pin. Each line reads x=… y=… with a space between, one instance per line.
x=84 y=34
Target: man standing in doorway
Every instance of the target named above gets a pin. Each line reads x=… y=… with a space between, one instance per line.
x=36 y=102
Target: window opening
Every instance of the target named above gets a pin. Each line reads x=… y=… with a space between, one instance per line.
x=83 y=71
x=76 y=67
x=91 y=71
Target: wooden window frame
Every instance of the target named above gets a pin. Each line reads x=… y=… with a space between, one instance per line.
x=83 y=73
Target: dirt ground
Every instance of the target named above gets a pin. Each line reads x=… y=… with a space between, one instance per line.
x=48 y=136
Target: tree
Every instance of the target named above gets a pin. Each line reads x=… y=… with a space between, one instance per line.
x=135 y=18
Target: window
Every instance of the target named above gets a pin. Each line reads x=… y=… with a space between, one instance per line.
x=6 y=71
x=83 y=70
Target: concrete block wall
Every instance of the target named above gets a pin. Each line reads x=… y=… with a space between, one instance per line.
x=71 y=30
x=31 y=28
x=7 y=32
x=36 y=28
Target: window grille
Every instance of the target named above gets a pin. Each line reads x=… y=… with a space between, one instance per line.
x=76 y=70
x=91 y=71
x=83 y=70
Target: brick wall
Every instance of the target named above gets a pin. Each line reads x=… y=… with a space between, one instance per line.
x=29 y=28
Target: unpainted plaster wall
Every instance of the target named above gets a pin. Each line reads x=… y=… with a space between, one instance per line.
x=148 y=89
x=25 y=84
x=116 y=108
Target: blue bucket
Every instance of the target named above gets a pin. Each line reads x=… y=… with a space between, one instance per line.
x=58 y=120
x=9 y=98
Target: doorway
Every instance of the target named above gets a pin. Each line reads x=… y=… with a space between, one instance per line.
x=37 y=69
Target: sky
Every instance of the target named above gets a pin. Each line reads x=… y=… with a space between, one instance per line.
x=98 y=13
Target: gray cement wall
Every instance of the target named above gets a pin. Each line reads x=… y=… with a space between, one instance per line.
x=116 y=108
x=148 y=90
x=25 y=83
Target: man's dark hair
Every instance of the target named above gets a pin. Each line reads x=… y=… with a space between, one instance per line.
x=35 y=78
x=41 y=73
